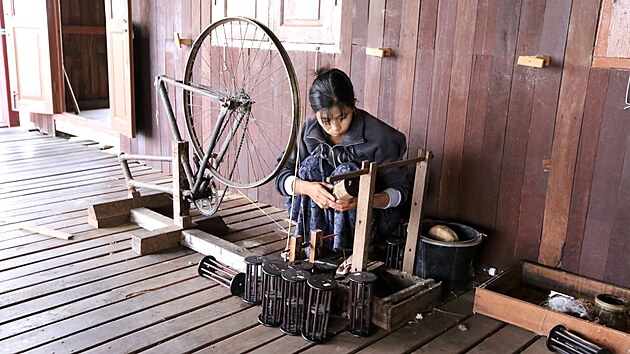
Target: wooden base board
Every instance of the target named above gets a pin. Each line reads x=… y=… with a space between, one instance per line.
x=224 y=251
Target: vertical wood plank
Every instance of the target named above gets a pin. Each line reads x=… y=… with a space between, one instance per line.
x=387 y=96
x=607 y=174
x=504 y=48
x=439 y=96
x=457 y=104
x=618 y=262
x=539 y=140
x=376 y=25
x=419 y=124
x=577 y=60
x=343 y=60
x=585 y=164
x=472 y=175
x=406 y=57
x=515 y=135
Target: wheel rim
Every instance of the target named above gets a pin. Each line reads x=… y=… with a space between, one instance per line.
x=240 y=61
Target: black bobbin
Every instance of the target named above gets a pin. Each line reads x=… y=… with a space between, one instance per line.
x=562 y=341
x=360 y=303
x=271 y=306
x=302 y=265
x=395 y=252
x=252 y=293
x=210 y=268
x=320 y=292
x=293 y=300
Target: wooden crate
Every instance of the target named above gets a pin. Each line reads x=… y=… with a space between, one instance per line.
x=515 y=295
x=398 y=297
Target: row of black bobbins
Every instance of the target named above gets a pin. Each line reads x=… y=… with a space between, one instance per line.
x=300 y=303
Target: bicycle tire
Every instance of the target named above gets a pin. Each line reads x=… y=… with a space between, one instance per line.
x=240 y=59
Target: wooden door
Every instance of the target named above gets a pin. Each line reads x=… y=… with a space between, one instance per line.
x=33 y=55
x=120 y=66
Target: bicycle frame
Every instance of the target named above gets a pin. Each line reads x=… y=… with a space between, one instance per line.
x=199 y=182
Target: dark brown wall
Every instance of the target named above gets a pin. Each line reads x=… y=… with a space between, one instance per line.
x=538 y=158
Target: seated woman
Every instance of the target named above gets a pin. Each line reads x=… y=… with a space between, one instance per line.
x=335 y=141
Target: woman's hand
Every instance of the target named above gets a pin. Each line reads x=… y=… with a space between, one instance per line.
x=380 y=201
x=318 y=191
x=344 y=204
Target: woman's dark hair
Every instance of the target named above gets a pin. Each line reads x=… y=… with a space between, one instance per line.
x=331 y=87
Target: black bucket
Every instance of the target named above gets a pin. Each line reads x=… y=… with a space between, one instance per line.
x=448 y=262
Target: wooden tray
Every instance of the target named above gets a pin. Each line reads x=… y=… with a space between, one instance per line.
x=514 y=297
x=398 y=297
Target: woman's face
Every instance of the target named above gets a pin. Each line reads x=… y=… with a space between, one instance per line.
x=335 y=121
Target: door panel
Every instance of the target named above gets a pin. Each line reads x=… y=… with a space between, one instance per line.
x=120 y=66
x=34 y=55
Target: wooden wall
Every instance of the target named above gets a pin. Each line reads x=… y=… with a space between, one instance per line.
x=537 y=158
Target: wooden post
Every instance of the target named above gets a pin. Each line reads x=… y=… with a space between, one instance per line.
x=295 y=246
x=316 y=239
x=363 y=228
x=415 y=216
x=181 y=208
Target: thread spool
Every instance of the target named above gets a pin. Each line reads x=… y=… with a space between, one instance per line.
x=395 y=253
x=320 y=292
x=346 y=189
x=271 y=306
x=293 y=300
x=360 y=303
x=210 y=268
x=252 y=293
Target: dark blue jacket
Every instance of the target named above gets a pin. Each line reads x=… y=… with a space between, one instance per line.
x=368 y=138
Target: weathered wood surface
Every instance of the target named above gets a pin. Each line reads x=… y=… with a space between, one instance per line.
x=93 y=293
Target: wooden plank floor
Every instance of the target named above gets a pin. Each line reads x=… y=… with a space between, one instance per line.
x=92 y=293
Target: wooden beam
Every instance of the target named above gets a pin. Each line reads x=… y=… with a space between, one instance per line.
x=224 y=251
x=110 y=214
x=415 y=217
x=149 y=219
x=363 y=228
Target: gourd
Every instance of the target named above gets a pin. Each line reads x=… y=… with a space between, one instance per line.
x=443 y=233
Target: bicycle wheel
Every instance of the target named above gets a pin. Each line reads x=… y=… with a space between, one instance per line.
x=243 y=64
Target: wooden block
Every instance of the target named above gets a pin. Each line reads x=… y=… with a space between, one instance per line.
x=316 y=241
x=156 y=240
x=534 y=61
x=224 y=251
x=116 y=213
x=295 y=247
x=378 y=52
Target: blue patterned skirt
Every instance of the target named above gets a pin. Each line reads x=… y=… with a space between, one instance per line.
x=309 y=216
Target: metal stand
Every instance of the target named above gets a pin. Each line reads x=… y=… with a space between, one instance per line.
x=210 y=268
x=293 y=300
x=253 y=279
x=271 y=307
x=360 y=303
x=320 y=291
